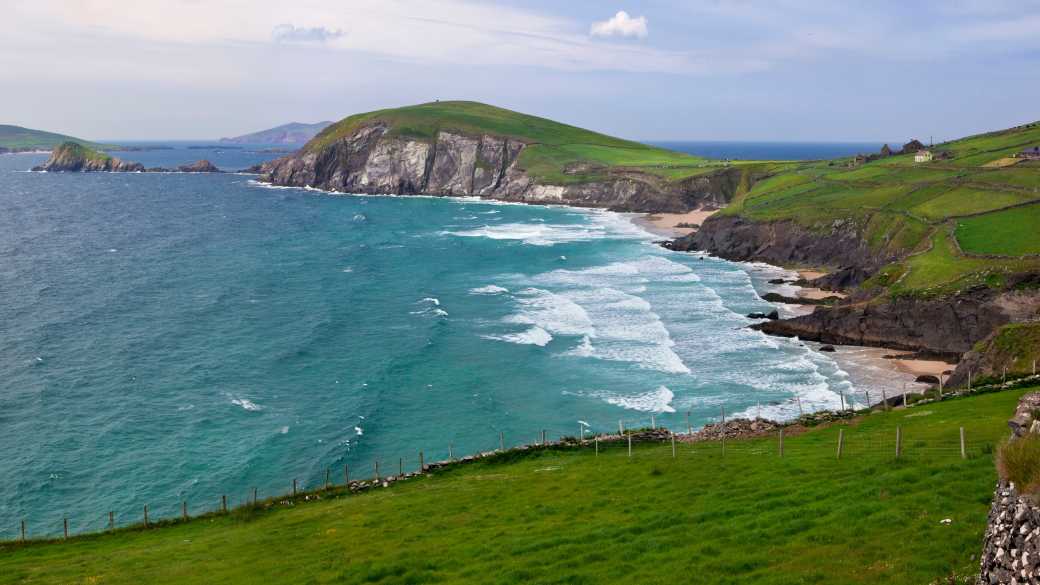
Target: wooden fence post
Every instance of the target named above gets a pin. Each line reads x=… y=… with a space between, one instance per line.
x=842 y=394
x=841 y=441
x=184 y=509
x=545 y=440
x=964 y=453
x=66 y=523
x=723 y=414
x=146 y=515
x=400 y=466
x=294 y=488
x=781 y=442
x=223 y=503
x=422 y=463
x=653 y=422
x=1003 y=377
x=328 y=473
x=899 y=441
x=630 y=446
x=111 y=520
x=501 y=441
x=620 y=427
x=673 y=446
x=689 y=427
x=254 y=496
x=23 y=530
x=940 y=386
x=596 y=440
x=884 y=399
x=346 y=475
x=377 y=470
x=451 y=451
x=799 y=399
x=969 y=380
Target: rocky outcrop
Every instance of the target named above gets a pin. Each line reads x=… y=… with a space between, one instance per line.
x=1011 y=351
x=1011 y=546
x=199 y=166
x=374 y=159
x=947 y=326
x=74 y=157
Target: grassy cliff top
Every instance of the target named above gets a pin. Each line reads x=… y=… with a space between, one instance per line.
x=69 y=150
x=19 y=138
x=970 y=214
x=572 y=516
x=553 y=146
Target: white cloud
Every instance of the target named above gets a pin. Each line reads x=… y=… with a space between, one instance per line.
x=287 y=33
x=621 y=25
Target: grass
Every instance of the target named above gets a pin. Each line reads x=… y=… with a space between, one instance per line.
x=568 y=516
x=19 y=138
x=554 y=148
x=1013 y=232
x=1015 y=346
x=1019 y=462
x=899 y=208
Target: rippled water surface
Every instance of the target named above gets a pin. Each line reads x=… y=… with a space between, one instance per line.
x=179 y=337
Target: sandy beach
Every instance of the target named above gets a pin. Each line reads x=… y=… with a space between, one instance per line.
x=667 y=224
x=808 y=292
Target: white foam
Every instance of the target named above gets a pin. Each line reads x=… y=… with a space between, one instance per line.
x=246 y=404
x=358 y=431
x=533 y=336
x=552 y=312
x=490 y=289
x=659 y=400
x=284 y=430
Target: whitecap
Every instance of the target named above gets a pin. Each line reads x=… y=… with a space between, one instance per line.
x=533 y=336
x=246 y=404
x=358 y=431
x=284 y=430
x=490 y=289
x=659 y=400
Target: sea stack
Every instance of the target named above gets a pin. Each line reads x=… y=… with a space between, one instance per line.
x=74 y=157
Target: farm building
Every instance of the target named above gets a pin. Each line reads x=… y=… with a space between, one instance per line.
x=1030 y=154
x=923 y=156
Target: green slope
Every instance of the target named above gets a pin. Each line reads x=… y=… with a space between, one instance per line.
x=19 y=138
x=559 y=153
x=903 y=207
x=570 y=516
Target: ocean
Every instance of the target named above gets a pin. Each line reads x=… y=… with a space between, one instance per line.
x=177 y=337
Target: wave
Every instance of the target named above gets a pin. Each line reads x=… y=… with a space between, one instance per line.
x=490 y=289
x=659 y=400
x=533 y=336
x=246 y=404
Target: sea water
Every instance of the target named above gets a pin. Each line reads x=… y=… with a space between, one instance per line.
x=178 y=337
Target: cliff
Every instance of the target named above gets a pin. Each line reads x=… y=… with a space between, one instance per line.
x=74 y=157
x=462 y=148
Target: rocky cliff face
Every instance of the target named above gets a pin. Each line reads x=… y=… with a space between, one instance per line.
x=73 y=157
x=374 y=160
x=947 y=326
x=784 y=242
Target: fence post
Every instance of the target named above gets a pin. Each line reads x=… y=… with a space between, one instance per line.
x=545 y=441
x=723 y=414
x=630 y=446
x=940 y=386
x=184 y=509
x=653 y=422
x=620 y=427
x=689 y=428
x=328 y=472
x=23 y=530
x=377 y=470
x=346 y=475
x=146 y=515
x=501 y=441
x=884 y=399
x=254 y=496
x=799 y=399
x=842 y=394
x=294 y=488
x=451 y=451
x=841 y=441
x=899 y=441
x=111 y=520
x=781 y=442
x=596 y=440
x=1003 y=377
x=400 y=466
x=66 y=523
x=964 y=453
x=422 y=463
x=223 y=504
x=969 y=380
x=673 y=446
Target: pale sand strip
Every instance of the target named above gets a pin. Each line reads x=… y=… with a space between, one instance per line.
x=665 y=223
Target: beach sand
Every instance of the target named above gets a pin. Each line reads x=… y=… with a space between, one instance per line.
x=807 y=292
x=665 y=223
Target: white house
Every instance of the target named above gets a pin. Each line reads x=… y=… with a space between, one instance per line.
x=923 y=156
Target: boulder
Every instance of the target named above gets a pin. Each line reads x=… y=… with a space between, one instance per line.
x=199 y=166
x=828 y=348
x=927 y=379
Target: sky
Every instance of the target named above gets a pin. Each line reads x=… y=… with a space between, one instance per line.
x=779 y=70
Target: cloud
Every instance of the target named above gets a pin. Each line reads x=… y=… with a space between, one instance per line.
x=287 y=33
x=621 y=25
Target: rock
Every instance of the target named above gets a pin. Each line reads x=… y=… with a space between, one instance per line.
x=927 y=379
x=72 y=157
x=828 y=348
x=779 y=298
x=777 y=281
x=200 y=166
x=770 y=315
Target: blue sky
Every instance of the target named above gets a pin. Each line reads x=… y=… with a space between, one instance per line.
x=658 y=70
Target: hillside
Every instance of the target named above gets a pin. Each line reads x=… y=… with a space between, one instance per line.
x=18 y=139
x=569 y=515
x=468 y=148
x=291 y=133
x=937 y=254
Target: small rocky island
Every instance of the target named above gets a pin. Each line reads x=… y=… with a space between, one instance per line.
x=73 y=157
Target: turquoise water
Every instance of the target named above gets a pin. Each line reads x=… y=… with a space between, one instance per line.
x=178 y=337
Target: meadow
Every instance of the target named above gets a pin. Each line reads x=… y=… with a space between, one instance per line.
x=741 y=513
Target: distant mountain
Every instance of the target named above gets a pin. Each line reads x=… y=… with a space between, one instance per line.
x=291 y=133
x=19 y=139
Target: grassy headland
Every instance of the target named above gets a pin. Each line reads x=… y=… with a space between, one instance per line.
x=17 y=138
x=557 y=153
x=570 y=516
x=987 y=200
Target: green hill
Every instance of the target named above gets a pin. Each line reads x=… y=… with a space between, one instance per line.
x=17 y=138
x=558 y=153
x=965 y=219
x=570 y=515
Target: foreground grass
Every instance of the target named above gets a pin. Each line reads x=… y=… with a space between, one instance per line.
x=574 y=517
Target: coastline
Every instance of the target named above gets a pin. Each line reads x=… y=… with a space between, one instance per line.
x=667 y=224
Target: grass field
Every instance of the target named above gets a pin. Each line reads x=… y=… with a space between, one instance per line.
x=570 y=516
x=553 y=146
x=901 y=208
